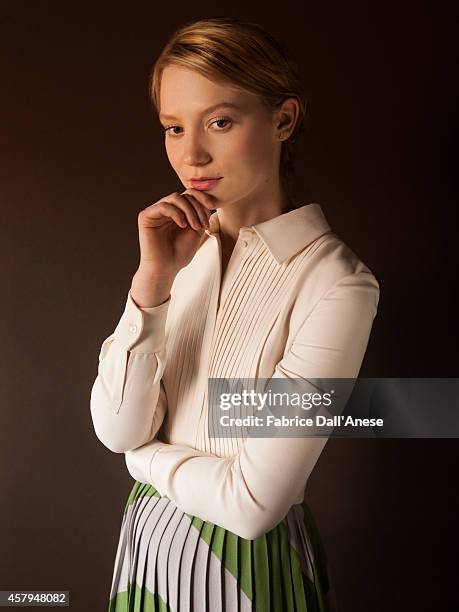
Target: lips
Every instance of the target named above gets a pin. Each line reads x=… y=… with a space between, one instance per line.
x=205 y=183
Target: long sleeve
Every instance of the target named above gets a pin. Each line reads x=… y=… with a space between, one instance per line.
x=128 y=401
x=250 y=493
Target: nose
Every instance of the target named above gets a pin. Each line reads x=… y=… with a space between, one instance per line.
x=194 y=152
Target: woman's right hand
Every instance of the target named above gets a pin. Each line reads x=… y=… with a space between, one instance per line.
x=170 y=231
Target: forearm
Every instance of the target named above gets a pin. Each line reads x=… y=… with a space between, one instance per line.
x=199 y=483
x=127 y=402
x=150 y=290
x=243 y=494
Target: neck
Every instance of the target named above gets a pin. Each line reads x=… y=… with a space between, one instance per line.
x=252 y=210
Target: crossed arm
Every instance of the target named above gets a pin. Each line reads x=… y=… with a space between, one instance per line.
x=250 y=493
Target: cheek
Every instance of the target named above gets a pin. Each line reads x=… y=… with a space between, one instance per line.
x=249 y=146
x=171 y=154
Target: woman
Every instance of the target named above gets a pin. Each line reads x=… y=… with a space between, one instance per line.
x=234 y=280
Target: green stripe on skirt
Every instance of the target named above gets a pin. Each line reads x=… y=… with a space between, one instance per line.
x=170 y=561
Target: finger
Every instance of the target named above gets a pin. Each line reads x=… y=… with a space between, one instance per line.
x=176 y=214
x=165 y=209
x=202 y=212
x=188 y=208
x=203 y=198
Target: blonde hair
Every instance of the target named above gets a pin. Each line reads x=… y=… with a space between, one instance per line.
x=242 y=53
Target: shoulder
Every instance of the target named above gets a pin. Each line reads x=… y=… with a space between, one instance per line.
x=328 y=265
x=329 y=259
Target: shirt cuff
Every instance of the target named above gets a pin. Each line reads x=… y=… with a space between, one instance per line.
x=138 y=461
x=142 y=330
x=158 y=477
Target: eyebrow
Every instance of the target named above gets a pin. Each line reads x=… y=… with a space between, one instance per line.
x=207 y=110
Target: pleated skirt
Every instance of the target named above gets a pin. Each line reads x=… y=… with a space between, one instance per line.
x=170 y=561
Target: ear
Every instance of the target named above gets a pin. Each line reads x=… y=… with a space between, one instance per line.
x=286 y=117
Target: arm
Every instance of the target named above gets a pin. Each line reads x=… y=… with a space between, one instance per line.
x=251 y=493
x=128 y=401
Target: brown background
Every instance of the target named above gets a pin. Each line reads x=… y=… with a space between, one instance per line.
x=82 y=153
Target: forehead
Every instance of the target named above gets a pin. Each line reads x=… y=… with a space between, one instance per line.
x=186 y=91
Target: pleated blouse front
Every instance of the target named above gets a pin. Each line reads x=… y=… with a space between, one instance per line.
x=295 y=302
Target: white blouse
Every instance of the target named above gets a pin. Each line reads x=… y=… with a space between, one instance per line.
x=295 y=302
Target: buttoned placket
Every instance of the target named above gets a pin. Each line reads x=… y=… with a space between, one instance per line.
x=241 y=251
x=222 y=287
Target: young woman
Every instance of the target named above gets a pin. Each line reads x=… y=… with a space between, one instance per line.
x=234 y=281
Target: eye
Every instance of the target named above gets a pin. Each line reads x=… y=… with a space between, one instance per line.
x=224 y=119
x=168 y=128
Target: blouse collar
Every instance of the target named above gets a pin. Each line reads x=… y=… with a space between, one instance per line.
x=286 y=234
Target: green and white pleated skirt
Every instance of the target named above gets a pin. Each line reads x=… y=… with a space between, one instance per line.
x=170 y=561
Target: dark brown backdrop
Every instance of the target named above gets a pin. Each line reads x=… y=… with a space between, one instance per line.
x=81 y=154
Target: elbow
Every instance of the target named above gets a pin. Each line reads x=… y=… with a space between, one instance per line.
x=109 y=435
x=120 y=441
x=249 y=532
x=117 y=432
x=256 y=527
x=113 y=443
x=252 y=515
x=262 y=518
x=116 y=438
x=254 y=524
